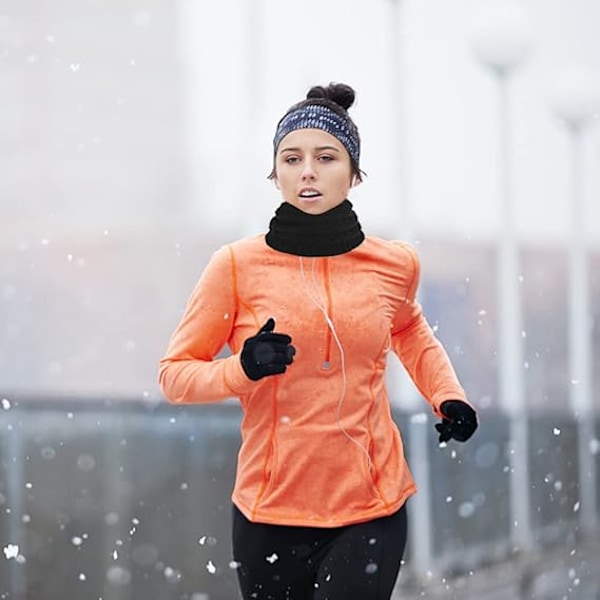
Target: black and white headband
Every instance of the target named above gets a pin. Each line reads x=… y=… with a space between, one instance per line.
x=317 y=116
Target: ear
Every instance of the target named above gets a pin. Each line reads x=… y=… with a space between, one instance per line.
x=276 y=182
x=355 y=181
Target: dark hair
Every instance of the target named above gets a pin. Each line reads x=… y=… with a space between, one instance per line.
x=338 y=97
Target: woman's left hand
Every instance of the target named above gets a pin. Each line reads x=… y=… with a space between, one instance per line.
x=459 y=421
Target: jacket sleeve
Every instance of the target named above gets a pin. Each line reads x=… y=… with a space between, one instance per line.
x=421 y=353
x=189 y=371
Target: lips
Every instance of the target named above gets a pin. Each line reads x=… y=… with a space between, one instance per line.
x=309 y=193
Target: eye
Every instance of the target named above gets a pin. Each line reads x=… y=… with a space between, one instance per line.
x=326 y=158
x=291 y=160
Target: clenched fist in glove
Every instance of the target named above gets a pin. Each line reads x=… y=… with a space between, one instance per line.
x=459 y=421
x=267 y=353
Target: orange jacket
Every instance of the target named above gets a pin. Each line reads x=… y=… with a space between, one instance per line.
x=319 y=446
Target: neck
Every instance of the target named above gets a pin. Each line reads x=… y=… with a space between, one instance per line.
x=334 y=232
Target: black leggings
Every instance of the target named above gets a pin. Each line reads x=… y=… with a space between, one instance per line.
x=355 y=562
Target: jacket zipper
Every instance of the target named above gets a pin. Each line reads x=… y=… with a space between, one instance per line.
x=328 y=334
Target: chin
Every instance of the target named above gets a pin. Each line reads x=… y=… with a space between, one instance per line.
x=313 y=210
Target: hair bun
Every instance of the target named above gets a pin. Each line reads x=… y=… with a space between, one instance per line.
x=340 y=93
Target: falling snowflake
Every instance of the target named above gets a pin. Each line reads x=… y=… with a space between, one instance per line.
x=419 y=419
x=11 y=551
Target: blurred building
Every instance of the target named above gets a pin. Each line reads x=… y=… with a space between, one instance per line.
x=92 y=183
x=115 y=191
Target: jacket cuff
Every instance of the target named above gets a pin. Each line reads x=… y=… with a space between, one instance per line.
x=441 y=397
x=235 y=378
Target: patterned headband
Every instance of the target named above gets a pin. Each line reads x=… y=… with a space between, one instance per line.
x=317 y=116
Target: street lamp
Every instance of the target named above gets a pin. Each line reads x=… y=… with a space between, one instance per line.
x=421 y=546
x=576 y=101
x=500 y=40
x=500 y=35
x=397 y=118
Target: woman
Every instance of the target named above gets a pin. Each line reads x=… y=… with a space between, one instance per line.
x=322 y=481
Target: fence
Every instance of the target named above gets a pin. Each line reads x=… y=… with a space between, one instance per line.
x=119 y=500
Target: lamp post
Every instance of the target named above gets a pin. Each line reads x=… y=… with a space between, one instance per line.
x=500 y=41
x=398 y=129
x=254 y=87
x=397 y=140
x=421 y=546
x=577 y=99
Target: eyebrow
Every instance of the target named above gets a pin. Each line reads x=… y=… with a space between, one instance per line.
x=318 y=149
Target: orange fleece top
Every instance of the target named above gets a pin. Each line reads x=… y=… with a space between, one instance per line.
x=319 y=446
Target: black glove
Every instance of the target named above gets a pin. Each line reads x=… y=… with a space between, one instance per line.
x=459 y=421
x=267 y=353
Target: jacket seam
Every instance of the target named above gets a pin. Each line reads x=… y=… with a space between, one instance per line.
x=234 y=284
x=270 y=456
x=234 y=292
x=412 y=287
x=374 y=479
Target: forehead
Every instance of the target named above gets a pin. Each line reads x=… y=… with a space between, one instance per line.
x=308 y=139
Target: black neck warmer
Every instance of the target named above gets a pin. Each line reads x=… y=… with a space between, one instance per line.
x=334 y=232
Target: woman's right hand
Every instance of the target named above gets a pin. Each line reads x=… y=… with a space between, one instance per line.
x=267 y=353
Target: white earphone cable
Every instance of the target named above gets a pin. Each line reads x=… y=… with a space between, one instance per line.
x=317 y=299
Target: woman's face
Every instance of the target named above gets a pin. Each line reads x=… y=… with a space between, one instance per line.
x=313 y=170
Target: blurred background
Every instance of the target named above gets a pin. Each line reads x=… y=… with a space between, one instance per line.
x=136 y=139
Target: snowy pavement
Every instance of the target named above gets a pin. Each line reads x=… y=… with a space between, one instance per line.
x=560 y=574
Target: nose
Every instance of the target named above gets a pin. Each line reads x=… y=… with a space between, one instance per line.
x=308 y=170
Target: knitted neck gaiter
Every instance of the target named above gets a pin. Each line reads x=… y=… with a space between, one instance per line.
x=334 y=232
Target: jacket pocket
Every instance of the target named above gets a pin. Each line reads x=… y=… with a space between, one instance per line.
x=368 y=465
x=269 y=472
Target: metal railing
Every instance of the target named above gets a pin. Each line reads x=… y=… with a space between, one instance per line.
x=123 y=500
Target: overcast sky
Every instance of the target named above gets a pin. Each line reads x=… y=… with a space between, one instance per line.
x=257 y=58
